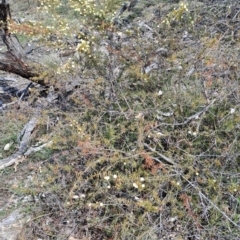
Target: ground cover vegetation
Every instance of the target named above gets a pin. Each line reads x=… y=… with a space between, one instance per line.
x=147 y=145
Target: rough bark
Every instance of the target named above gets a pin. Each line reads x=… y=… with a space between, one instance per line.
x=14 y=60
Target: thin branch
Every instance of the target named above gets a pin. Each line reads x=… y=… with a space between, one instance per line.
x=7 y=104
x=167 y=159
x=196 y=115
x=216 y=207
x=36 y=149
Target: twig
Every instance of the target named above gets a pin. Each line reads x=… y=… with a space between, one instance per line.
x=189 y=119
x=216 y=207
x=196 y=115
x=7 y=104
x=167 y=159
x=235 y=16
x=25 y=91
x=36 y=149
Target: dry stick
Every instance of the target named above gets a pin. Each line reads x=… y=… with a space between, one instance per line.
x=189 y=119
x=196 y=115
x=234 y=18
x=7 y=104
x=24 y=138
x=28 y=152
x=36 y=149
x=216 y=207
x=160 y=155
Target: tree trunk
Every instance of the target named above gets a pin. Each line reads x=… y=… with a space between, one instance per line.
x=15 y=59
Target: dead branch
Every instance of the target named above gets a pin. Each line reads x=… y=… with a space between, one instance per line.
x=15 y=59
x=36 y=149
x=3 y=106
x=25 y=137
x=214 y=205
x=167 y=159
x=196 y=115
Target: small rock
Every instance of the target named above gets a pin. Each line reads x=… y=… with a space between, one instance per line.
x=75 y=197
x=162 y=51
x=7 y=146
x=150 y=68
x=190 y=72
